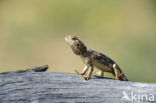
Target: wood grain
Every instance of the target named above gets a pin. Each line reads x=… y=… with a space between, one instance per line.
x=50 y=87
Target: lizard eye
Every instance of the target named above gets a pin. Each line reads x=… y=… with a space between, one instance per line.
x=73 y=38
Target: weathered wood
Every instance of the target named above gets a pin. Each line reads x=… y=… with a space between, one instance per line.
x=34 y=69
x=49 y=87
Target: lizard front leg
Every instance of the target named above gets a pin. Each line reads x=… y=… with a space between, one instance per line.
x=91 y=68
x=85 y=69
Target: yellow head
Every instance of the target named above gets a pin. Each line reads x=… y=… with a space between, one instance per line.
x=77 y=46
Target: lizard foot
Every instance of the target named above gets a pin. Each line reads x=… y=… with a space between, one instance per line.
x=86 y=77
x=79 y=72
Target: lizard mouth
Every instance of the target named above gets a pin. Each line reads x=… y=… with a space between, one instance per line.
x=66 y=38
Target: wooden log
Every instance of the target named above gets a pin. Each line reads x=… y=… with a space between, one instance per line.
x=50 y=87
x=34 y=69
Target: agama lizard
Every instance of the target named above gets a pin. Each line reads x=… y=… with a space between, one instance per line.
x=93 y=59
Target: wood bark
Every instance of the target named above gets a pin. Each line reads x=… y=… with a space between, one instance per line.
x=33 y=86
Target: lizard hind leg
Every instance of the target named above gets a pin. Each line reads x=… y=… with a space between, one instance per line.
x=101 y=73
x=117 y=72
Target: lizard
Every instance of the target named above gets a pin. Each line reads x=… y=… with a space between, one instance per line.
x=93 y=59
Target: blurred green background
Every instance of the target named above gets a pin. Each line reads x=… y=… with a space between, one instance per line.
x=32 y=33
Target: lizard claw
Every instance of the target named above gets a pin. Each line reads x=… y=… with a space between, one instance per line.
x=86 y=77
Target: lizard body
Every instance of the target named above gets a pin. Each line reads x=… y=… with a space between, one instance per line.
x=93 y=59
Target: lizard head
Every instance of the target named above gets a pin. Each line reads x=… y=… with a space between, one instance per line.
x=77 y=46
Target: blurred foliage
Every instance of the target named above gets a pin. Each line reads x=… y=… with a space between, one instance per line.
x=32 y=32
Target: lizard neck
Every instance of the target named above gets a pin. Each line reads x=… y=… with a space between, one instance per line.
x=84 y=52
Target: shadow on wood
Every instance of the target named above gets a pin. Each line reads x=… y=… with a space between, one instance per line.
x=49 y=87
